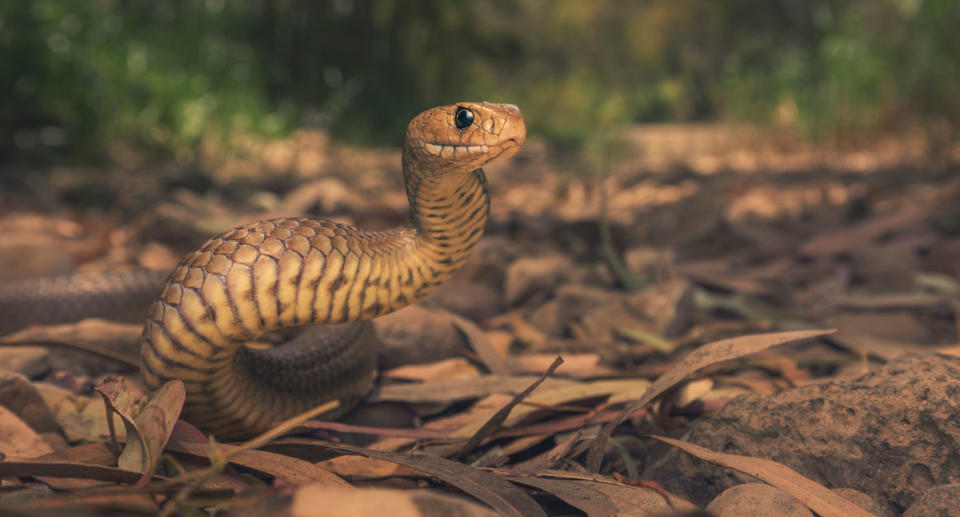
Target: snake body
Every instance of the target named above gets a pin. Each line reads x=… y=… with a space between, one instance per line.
x=119 y=296
x=295 y=271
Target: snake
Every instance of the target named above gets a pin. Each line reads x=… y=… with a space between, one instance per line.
x=328 y=279
x=295 y=271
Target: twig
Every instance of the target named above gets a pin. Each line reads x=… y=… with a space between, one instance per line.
x=495 y=421
x=627 y=278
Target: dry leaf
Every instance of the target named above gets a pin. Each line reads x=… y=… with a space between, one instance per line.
x=155 y=422
x=286 y=468
x=692 y=391
x=90 y=453
x=910 y=301
x=859 y=235
x=148 y=433
x=485 y=486
x=324 y=501
x=617 y=390
x=20 y=396
x=17 y=440
x=94 y=504
x=480 y=343
x=93 y=336
x=457 y=389
x=68 y=469
x=550 y=458
x=523 y=443
x=387 y=432
x=706 y=355
x=446 y=369
x=445 y=426
x=497 y=419
x=361 y=467
x=577 y=366
x=607 y=498
x=82 y=418
x=816 y=496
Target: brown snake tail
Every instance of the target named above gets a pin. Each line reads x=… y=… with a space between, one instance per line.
x=119 y=296
x=295 y=271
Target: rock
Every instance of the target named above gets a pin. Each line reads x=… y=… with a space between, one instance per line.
x=938 y=501
x=892 y=434
x=528 y=275
x=757 y=499
x=864 y=501
x=20 y=396
x=416 y=334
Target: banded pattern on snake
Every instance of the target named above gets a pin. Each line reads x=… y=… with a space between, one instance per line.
x=295 y=271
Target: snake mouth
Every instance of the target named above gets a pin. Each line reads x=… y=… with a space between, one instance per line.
x=511 y=143
x=450 y=150
x=453 y=150
x=508 y=148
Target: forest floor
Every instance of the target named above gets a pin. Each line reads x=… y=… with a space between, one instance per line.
x=705 y=263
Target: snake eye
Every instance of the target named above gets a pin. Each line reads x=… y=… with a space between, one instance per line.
x=463 y=118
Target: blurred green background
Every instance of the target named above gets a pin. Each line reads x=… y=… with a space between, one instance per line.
x=81 y=76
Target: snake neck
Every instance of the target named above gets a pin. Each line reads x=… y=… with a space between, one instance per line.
x=448 y=213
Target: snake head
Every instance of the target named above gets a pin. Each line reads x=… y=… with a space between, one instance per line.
x=465 y=136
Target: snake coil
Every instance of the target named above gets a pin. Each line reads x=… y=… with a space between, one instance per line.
x=296 y=271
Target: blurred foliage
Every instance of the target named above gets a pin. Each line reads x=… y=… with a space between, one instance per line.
x=80 y=76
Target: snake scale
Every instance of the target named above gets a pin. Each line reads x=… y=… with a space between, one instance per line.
x=293 y=272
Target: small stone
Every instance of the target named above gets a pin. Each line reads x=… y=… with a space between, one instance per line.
x=757 y=499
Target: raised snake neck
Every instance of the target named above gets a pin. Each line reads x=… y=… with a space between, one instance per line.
x=295 y=271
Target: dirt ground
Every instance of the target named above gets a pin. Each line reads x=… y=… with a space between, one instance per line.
x=703 y=263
